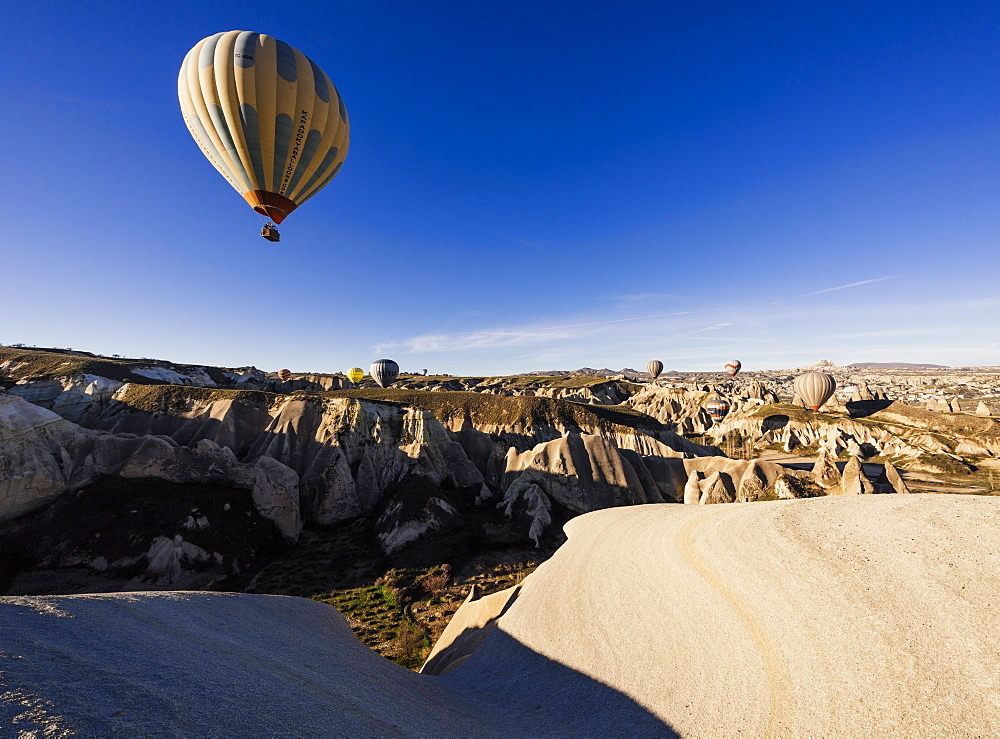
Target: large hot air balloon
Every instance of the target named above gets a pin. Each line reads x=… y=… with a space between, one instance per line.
x=384 y=372
x=654 y=368
x=815 y=388
x=266 y=117
x=717 y=408
x=284 y=375
x=733 y=366
x=355 y=375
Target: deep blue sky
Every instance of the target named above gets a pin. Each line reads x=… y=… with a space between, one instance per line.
x=529 y=186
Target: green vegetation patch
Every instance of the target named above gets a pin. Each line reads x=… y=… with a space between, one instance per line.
x=941 y=463
x=381 y=623
x=38 y=364
x=795 y=413
x=178 y=398
x=397 y=605
x=501 y=410
x=963 y=424
x=49 y=364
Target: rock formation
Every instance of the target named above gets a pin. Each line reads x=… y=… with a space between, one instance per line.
x=43 y=456
x=854 y=481
x=825 y=472
x=895 y=480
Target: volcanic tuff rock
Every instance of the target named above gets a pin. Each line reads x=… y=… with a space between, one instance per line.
x=43 y=456
x=893 y=478
x=929 y=440
x=74 y=398
x=344 y=457
x=683 y=409
x=825 y=471
x=854 y=481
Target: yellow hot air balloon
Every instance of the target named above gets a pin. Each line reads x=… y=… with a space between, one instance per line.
x=355 y=375
x=266 y=117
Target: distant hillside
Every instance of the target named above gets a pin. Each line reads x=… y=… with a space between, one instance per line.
x=589 y=371
x=895 y=365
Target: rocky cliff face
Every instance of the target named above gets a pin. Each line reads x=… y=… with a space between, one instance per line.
x=324 y=459
x=43 y=456
x=917 y=438
x=683 y=409
x=349 y=451
x=414 y=464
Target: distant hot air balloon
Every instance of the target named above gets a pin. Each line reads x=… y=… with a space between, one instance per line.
x=355 y=375
x=733 y=366
x=717 y=408
x=284 y=375
x=266 y=117
x=384 y=372
x=815 y=388
x=654 y=368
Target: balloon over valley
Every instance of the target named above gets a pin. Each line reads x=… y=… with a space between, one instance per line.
x=815 y=388
x=554 y=532
x=267 y=118
x=384 y=372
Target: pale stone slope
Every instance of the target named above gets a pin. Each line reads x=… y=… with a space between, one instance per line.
x=197 y=664
x=849 y=616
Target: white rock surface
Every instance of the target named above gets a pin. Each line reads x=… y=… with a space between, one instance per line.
x=197 y=664
x=194 y=376
x=866 y=615
x=42 y=456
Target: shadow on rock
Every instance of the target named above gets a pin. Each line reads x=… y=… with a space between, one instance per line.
x=549 y=696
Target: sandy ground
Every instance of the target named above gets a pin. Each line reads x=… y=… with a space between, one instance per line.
x=850 y=616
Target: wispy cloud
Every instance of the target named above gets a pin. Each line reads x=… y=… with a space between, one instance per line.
x=844 y=287
x=701 y=330
x=506 y=337
x=621 y=320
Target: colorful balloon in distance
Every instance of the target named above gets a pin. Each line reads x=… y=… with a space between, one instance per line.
x=815 y=388
x=355 y=375
x=717 y=408
x=654 y=368
x=284 y=375
x=384 y=372
x=266 y=116
x=733 y=366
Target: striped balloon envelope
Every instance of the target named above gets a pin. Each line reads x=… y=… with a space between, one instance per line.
x=355 y=375
x=384 y=372
x=654 y=368
x=717 y=408
x=284 y=375
x=815 y=388
x=733 y=366
x=265 y=116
